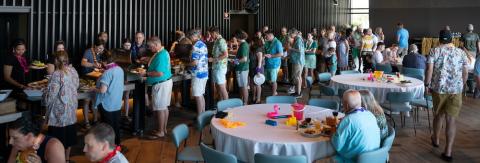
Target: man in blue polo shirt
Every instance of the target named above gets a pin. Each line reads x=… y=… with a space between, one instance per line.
x=273 y=53
x=402 y=40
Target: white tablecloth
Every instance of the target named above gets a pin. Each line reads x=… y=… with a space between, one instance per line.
x=379 y=89
x=257 y=137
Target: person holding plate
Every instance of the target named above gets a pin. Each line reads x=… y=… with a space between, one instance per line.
x=15 y=69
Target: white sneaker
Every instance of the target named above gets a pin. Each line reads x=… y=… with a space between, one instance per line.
x=291 y=89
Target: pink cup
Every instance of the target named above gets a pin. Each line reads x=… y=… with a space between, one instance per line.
x=298 y=111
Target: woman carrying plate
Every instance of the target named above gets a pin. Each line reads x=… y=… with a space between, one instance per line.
x=256 y=67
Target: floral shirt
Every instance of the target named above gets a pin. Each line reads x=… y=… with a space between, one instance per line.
x=219 y=47
x=60 y=98
x=448 y=64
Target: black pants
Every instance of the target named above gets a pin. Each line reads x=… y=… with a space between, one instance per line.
x=112 y=119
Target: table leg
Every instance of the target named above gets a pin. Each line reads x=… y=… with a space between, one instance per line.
x=186 y=93
x=138 y=124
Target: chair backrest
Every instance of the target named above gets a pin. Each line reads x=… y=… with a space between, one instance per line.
x=388 y=141
x=324 y=77
x=411 y=71
x=212 y=156
x=203 y=119
x=180 y=133
x=324 y=103
x=264 y=158
x=309 y=81
x=340 y=92
x=416 y=76
x=281 y=99
x=379 y=155
x=327 y=91
x=349 y=72
x=386 y=68
x=229 y=103
x=399 y=97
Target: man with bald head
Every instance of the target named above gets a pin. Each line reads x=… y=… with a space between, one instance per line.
x=358 y=131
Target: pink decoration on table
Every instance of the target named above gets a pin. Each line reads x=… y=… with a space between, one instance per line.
x=274 y=113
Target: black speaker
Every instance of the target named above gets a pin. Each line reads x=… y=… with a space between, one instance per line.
x=252 y=6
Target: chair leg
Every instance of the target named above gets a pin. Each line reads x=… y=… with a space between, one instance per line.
x=391 y=118
x=415 y=127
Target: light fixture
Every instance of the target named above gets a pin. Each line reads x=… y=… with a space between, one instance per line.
x=335 y=2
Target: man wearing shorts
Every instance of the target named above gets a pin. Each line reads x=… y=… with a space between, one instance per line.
x=297 y=58
x=447 y=73
x=219 y=59
x=242 y=64
x=159 y=76
x=273 y=53
x=199 y=68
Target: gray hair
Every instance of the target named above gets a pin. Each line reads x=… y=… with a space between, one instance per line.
x=470 y=27
x=413 y=48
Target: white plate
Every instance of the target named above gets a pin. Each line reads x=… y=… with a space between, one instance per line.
x=259 y=79
x=33 y=92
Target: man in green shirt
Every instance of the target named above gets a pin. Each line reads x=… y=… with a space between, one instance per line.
x=297 y=58
x=219 y=59
x=159 y=76
x=242 y=64
x=471 y=41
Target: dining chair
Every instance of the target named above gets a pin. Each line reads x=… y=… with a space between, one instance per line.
x=324 y=103
x=229 y=103
x=264 y=158
x=281 y=99
x=349 y=72
x=212 y=156
x=378 y=155
x=426 y=103
x=413 y=71
x=388 y=141
x=203 y=120
x=399 y=102
x=386 y=68
x=324 y=78
x=180 y=135
x=416 y=76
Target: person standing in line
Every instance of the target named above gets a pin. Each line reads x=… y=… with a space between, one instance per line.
x=310 y=57
x=402 y=40
x=199 y=69
x=297 y=58
x=159 y=75
x=273 y=53
x=283 y=38
x=219 y=59
x=446 y=75
x=242 y=64
x=256 y=67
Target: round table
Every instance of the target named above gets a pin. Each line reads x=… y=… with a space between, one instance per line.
x=257 y=137
x=379 y=89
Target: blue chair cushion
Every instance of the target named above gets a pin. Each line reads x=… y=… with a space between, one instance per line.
x=422 y=103
x=396 y=107
x=192 y=153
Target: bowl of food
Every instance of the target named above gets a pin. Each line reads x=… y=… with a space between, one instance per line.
x=33 y=92
x=310 y=132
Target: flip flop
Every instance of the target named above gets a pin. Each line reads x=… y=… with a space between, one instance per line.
x=155 y=136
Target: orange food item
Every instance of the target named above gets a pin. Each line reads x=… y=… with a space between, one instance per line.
x=24 y=154
x=332 y=121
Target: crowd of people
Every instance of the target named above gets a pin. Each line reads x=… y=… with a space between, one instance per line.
x=296 y=55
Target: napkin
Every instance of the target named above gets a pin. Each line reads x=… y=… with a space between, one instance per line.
x=231 y=124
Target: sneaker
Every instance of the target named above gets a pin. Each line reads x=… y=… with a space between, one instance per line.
x=291 y=90
x=298 y=95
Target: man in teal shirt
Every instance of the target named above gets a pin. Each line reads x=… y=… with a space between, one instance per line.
x=358 y=131
x=297 y=58
x=159 y=76
x=273 y=53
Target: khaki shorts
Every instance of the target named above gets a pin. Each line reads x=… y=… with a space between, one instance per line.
x=161 y=95
x=449 y=104
x=242 y=78
x=198 y=86
x=297 y=70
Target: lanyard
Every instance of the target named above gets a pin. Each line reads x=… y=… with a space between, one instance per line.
x=111 y=155
x=359 y=109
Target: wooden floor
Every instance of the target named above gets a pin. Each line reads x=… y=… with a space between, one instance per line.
x=407 y=147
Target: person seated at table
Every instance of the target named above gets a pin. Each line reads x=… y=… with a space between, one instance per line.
x=358 y=131
x=390 y=56
x=199 y=68
x=414 y=59
x=60 y=99
x=256 y=67
x=100 y=145
x=15 y=69
x=377 y=57
x=109 y=93
x=369 y=103
x=29 y=145
x=59 y=46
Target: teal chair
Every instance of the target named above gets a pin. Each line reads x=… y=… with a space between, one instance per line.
x=340 y=93
x=399 y=102
x=349 y=72
x=426 y=103
x=203 y=120
x=212 y=156
x=388 y=141
x=264 y=158
x=180 y=135
x=281 y=100
x=229 y=103
x=324 y=77
x=324 y=103
x=386 y=68
x=380 y=155
x=413 y=71
x=416 y=76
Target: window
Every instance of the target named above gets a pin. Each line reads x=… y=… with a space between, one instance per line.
x=359 y=13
